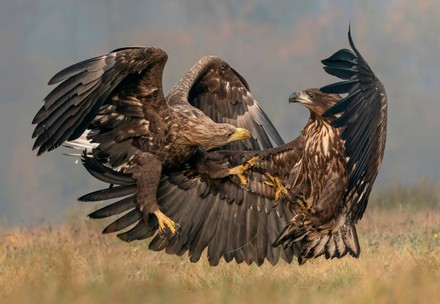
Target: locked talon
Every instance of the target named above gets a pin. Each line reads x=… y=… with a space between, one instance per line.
x=240 y=170
x=277 y=185
x=251 y=162
x=243 y=180
x=269 y=184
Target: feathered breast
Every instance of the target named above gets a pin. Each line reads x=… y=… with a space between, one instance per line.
x=324 y=155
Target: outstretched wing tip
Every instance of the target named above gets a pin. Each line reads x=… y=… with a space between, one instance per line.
x=363 y=114
x=84 y=87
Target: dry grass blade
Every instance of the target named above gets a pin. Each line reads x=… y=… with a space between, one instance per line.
x=73 y=263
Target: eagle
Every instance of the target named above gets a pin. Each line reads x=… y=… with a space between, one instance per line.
x=301 y=199
x=344 y=144
x=116 y=102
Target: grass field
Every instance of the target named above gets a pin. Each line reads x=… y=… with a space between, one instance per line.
x=73 y=263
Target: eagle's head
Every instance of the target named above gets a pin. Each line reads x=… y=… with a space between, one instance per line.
x=223 y=133
x=210 y=135
x=315 y=100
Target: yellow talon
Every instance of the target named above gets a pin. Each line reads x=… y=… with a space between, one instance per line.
x=280 y=191
x=243 y=180
x=165 y=222
x=240 y=170
x=276 y=183
x=251 y=162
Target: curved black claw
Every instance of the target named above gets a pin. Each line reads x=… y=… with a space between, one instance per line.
x=166 y=225
x=246 y=188
x=276 y=203
x=165 y=233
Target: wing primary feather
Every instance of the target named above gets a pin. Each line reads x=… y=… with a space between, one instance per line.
x=124 y=221
x=139 y=232
x=109 y=193
x=344 y=73
x=114 y=208
x=92 y=64
x=105 y=174
x=339 y=87
x=341 y=55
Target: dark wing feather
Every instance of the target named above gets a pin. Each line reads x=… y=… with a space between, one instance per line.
x=216 y=215
x=233 y=230
x=116 y=208
x=363 y=115
x=124 y=221
x=224 y=95
x=95 y=93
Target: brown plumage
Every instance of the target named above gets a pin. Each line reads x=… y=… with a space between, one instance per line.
x=338 y=180
x=117 y=101
x=330 y=168
x=318 y=180
x=335 y=182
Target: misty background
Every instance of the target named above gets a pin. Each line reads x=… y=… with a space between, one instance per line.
x=276 y=45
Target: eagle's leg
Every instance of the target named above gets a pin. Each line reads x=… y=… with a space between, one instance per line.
x=165 y=222
x=241 y=170
x=146 y=169
x=275 y=183
x=281 y=191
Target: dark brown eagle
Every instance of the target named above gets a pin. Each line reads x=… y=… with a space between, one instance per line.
x=324 y=178
x=117 y=101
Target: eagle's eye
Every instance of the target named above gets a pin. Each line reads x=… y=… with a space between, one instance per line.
x=230 y=133
x=311 y=95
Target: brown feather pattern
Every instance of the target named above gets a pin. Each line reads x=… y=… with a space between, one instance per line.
x=331 y=165
x=117 y=100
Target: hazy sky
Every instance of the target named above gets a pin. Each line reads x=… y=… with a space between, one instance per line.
x=276 y=45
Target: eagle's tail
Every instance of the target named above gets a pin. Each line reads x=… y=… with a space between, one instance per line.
x=336 y=245
x=294 y=232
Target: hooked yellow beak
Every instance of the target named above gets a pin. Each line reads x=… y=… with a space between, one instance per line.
x=239 y=134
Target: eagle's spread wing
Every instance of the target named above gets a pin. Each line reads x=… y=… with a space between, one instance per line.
x=240 y=230
x=231 y=223
x=215 y=214
x=105 y=94
x=224 y=95
x=363 y=115
x=102 y=94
